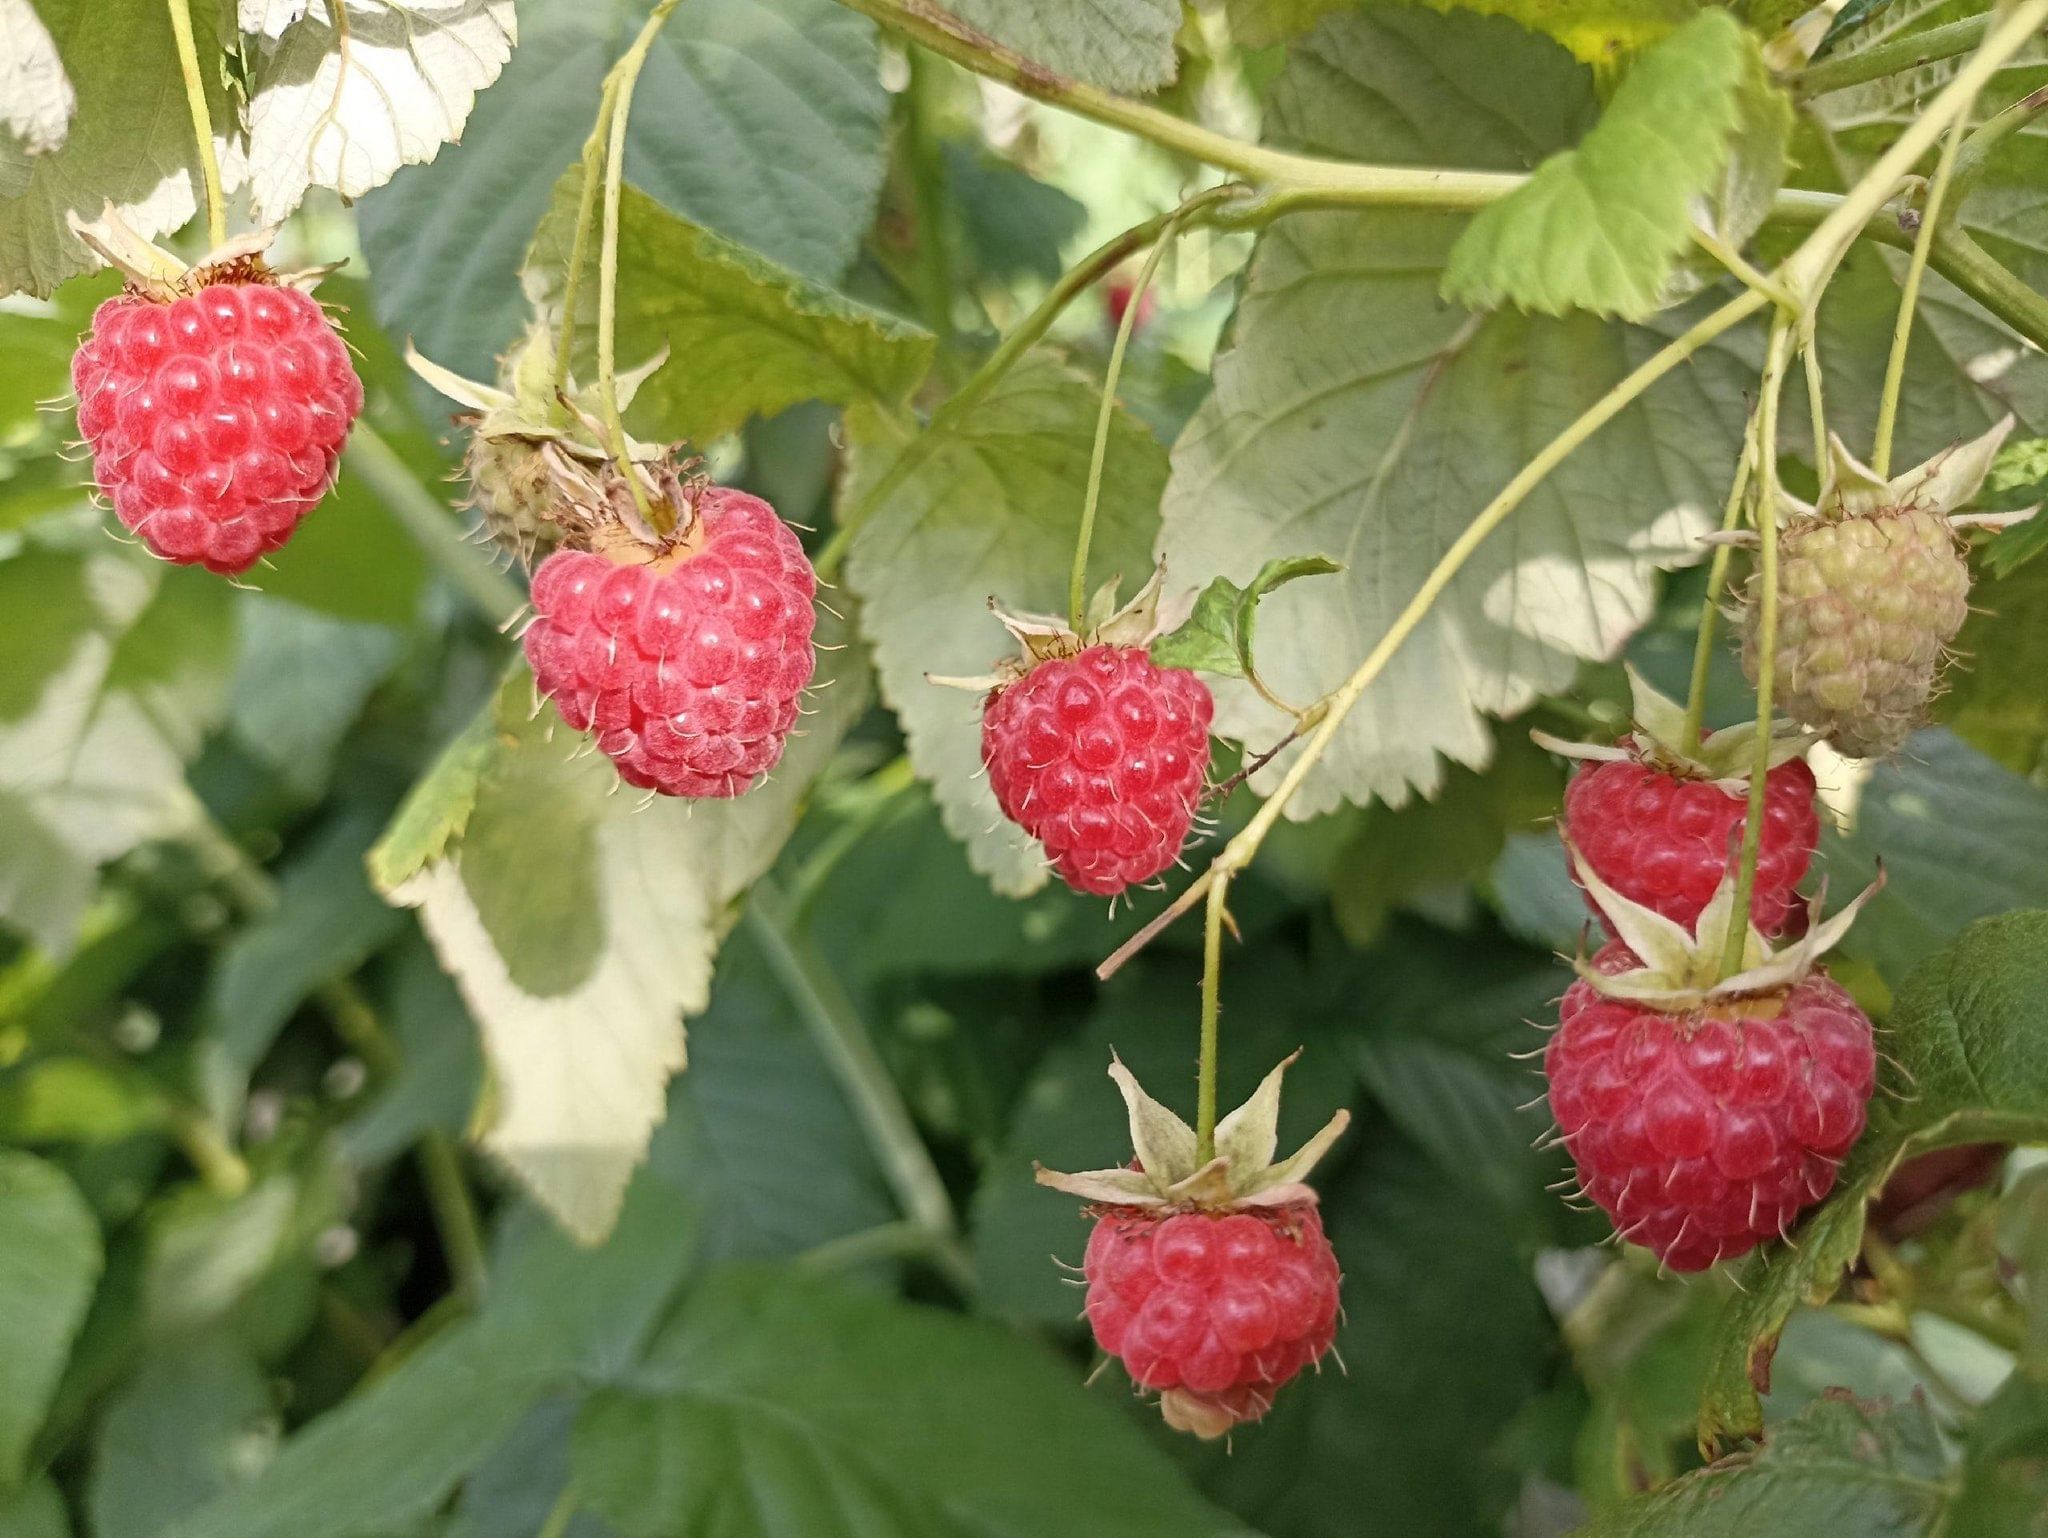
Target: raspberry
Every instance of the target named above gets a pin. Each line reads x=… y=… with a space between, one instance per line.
x=1100 y=757
x=1703 y=1131
x=513 y=492
x=1664 y=839
x=686 y=667
x=1216 y=1309
x=215 y=418
x=1867 y=607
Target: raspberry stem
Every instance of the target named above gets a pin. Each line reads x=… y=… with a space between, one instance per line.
x=1777 y=358
x=579 y=246
x=1717 y=575
x=1909 y=295
x=202 y=120
x=1077 y=579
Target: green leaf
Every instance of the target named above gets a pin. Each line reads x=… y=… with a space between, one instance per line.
x=1596 y=31
x=1875 y=1470
x=438 y=807
x=1966 y=1060
x=985 y=503
x=1960 y=839
x=987 y=1435
x=301 y=679
x=581 y=926
x=1599 y=227
x=746 y=337
x=130 y=142
x=761 y=119
x=345 y=109
x=196 y=1420
x=1994 y=698
x=49 y=1264
x=98 y=714
x=1355 y=415
x=1432 y=848
x=78 y=1100
x=326 y=924
x=243 y=1263
x=1217 y=636
x=1125 y=45
x=440 y=1064
x=2004 y=1486
x=36 y=1510
x=1016 y=225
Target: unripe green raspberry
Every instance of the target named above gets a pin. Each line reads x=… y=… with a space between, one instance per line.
x=1866 y=608
x=512 y=492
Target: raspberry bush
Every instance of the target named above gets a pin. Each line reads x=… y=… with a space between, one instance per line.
x=636 y=650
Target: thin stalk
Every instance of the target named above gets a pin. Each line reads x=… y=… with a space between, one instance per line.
x=1740 y=266
x=619 y=84
x=1891 y=58
x=928 y=193
x=902 y=1239
x=1710 y=614
x=1212 y=1009
x=842 y=1037
x=1077 y=578
x=1816 y=389
x=219 y=1166
x=560 y=1515
x=1776 y=360
x=468 y=567
x=1022 y=337
x=202 y=120
x=579 y=244
x=1988 y=135
x=1909 y=295
x=1238 y=853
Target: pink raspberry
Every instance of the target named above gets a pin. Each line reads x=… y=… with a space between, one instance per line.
x=1215 y=1309
x=1705 y=1132
x=1663 y=840
x=686 y=667
x=1101 y=758
x=215 y=419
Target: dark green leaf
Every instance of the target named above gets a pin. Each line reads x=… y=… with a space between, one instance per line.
x=49 y=1264
x=300 y=682
x=1126 y=45
x=196 y=1420
x=900 y=1420
x=36 y=1510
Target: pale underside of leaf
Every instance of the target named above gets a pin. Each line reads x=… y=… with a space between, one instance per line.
x=989 y=510
x=1358 y=417
x=36 y=99
x=346 y=110
x=268 y=18
x=581 y=1044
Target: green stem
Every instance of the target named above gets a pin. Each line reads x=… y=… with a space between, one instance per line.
x=619 y=85
x=1241 y=849
x=1777 y=358
x=1710 y=613
x=928 y=193
x=579 y=244
x=468 y=567
x=902 y=1239
x=1988 y=135
x=1022 y=337
x=219 y=1166
x=1909 y=296
x=1816 y=389
x=1077 y=578
x=1212 y=1011
x=560 y=1515
x=1891 y=58
x=202 y=120
x=842 y=1037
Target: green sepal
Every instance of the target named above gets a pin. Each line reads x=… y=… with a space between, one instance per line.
x=1217 y=636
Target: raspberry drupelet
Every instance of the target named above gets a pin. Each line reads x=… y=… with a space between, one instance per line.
x=216 y=418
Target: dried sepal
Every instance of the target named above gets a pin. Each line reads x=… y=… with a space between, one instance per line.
x=151 y=270
x=1939 y=484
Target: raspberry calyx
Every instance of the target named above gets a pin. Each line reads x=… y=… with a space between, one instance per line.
x=1212 y=1281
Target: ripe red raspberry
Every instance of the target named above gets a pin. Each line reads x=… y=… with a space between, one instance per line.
x=216 y=418
x=1704 y=1132
x=1664 y=840
x=1101 y=758
x=686 y=670
x=1215 y=1309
